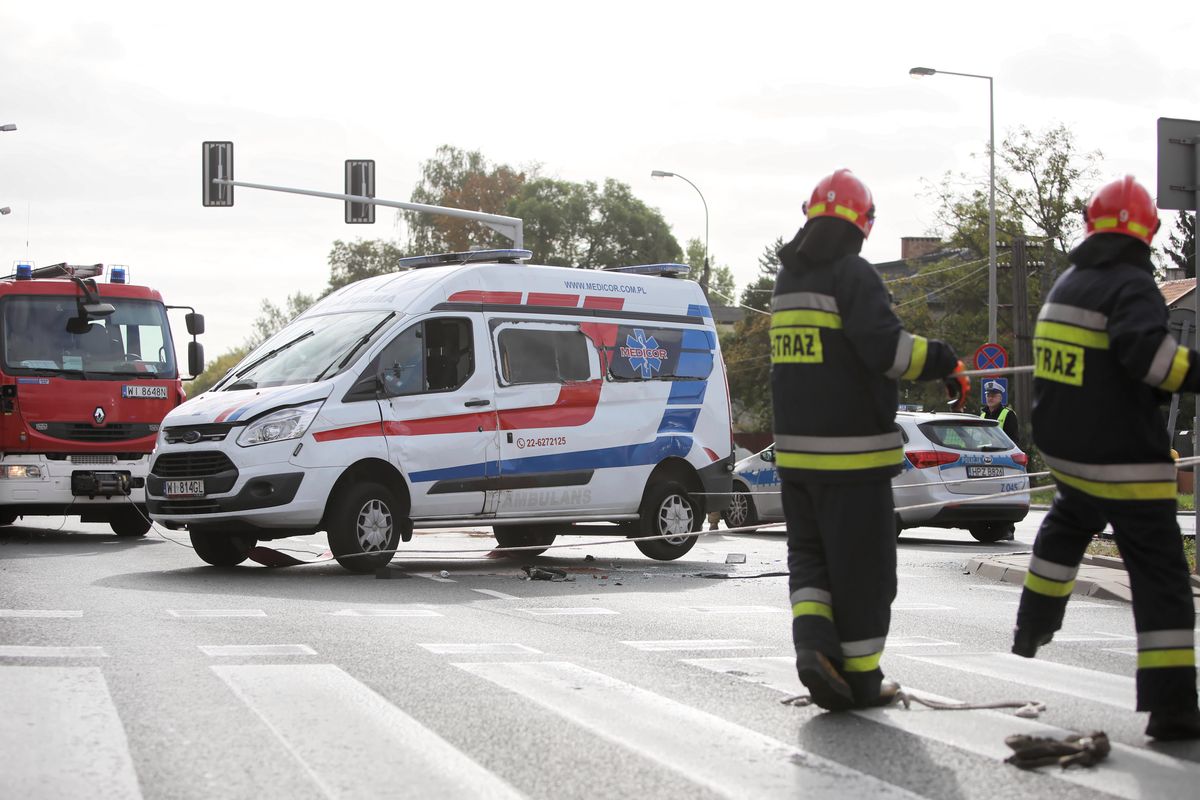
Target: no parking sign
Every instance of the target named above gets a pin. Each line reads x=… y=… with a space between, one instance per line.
x=988 y=357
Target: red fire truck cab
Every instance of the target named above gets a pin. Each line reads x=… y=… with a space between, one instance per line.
x=87 y=372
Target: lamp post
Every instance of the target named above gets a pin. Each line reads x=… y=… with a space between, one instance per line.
x=8 y=127
x=658 y=173
x=921 y=72
x=5 y=210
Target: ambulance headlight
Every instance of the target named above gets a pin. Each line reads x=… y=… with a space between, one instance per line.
x=279 y=426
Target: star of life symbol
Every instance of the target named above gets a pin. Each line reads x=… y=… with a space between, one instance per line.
x=644 y=354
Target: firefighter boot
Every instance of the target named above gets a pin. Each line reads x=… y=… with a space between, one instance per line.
x=1168 y=726
x=889 y=690
x=1026 y=643
x=825 y=684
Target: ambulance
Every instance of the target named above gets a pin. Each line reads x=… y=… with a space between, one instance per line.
x=463 y=389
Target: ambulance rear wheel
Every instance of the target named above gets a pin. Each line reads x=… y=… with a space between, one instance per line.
x=220 y=549
x=741 y=512
x=130 y=522
x=667 y=509
x=523 y=536
x=364 y=527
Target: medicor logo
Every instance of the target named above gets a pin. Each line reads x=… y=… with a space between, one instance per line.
x=644 y=354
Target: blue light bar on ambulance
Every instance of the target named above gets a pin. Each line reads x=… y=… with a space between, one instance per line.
x=24 y=272
x=116 y=274
x=658 y=270
x=471 y=257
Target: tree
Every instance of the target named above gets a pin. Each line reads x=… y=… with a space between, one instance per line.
x=214 y=370
x=361 y=259
x=457 y=178
x=722 y=288
x=272 y=318
x=1181 y=247
x=747 y=354
x=758 y=293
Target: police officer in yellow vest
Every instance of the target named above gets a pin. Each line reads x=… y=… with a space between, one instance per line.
x=837 y=351
x=1105 y=361
x=996 y=408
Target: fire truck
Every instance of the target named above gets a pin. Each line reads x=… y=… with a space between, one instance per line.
x=86 y=375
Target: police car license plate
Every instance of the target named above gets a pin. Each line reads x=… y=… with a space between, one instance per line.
x=144 y=392
x=985 y=472
x=184 y=488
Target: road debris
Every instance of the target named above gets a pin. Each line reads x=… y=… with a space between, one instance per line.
x=547 y=574
x=1031 y=752
x=735 y=558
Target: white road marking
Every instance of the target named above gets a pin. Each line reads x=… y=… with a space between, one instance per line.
x=432 y=577
x=63 y=735
x=668 y=645
x=256 y=650
x=1133 y=772
x=498 y=595
x=367 y=745
x=1087 y=684
x=216 y=612
x=721 y=756
x=917 y=641
x=566 y=612
x=40 y=613
x=737 y=609
x=920 y=607
x=41 y=651
x=491 y=648
x=1094 y=636
x=385 y=612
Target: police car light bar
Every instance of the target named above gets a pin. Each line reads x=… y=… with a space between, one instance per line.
x=471 y=257
x=658 y=270
x=65 y=270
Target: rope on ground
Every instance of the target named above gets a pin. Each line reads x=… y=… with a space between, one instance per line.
x=1027 y=709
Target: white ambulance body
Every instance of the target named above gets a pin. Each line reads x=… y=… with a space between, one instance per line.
x=464 y=389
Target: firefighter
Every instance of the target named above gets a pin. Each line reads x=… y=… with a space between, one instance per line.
x=837 y=351
x=1104 y=362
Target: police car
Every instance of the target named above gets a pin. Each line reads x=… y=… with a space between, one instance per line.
x=947 y=459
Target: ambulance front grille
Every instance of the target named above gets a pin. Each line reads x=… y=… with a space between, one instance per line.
x=200 y=464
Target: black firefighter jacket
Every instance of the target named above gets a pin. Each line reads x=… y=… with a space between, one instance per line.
x=1104 y=363
x=837 y=350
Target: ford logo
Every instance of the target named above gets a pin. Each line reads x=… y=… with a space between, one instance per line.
x=191 y=437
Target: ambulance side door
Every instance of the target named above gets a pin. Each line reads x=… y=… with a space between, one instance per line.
x=439 y=418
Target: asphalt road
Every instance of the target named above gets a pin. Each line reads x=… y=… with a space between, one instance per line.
x=130 y=669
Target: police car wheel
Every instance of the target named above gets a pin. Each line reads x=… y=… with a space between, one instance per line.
x=523 y=536
x=741 y=512
x=220 y=549
x=7 y=518
x=667 y=509
x=992 y=532
x=130 y=522
x=363 y=527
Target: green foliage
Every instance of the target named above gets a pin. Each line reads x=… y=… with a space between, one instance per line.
x=272 y=318
x=757 y=294
x=353 y=261
x=722 y=288
x=214 y=370
x=747 y=353
x=1181 y=247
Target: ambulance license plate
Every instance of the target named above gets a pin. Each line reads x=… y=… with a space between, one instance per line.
x=985 y=472
x=184 y=488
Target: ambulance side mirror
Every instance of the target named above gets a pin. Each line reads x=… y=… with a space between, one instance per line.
x=195 y=359
x=368 y=387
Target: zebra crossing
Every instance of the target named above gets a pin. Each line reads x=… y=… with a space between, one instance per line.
x=73 y=733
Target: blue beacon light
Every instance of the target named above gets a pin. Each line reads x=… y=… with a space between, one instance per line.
x=116 y=275
x=24 y=272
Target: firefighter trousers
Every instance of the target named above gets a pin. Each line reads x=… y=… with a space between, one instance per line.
x=842 y=574
x=1147 y=534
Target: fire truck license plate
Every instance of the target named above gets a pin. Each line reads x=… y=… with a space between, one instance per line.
x=144 y=392
x=185 y=488
x=985 y=472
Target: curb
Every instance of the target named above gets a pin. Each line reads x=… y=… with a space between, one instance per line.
x=1084 y=587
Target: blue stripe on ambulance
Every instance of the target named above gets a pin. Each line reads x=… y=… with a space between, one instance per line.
x=686 y=393
x=679 y=420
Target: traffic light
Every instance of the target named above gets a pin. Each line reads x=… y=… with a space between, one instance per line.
x=217 y=163
x=360 y=181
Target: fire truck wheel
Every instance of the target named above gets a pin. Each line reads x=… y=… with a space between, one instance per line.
x=130 y=522
x=667 y=509
x=523 y=536
x=220 y=549
x=363 y=528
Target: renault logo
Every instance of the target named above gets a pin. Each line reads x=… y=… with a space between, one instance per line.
x=98 y=415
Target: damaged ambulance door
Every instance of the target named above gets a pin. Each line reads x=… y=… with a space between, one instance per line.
x=439 y=415
x=548 y=383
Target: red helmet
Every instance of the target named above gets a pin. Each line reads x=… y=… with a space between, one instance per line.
x=1122 y=206
x=843 y=196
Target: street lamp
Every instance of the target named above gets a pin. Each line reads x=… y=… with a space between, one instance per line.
x=8 y=127
x=921 y=72
x=5 y=210
x=658 y=173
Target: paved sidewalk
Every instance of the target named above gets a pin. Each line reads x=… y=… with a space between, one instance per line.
x=1101 y=577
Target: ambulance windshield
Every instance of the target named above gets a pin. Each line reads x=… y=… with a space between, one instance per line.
x=308 y=350
x=134 y=342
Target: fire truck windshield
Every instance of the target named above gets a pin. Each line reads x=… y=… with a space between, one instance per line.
x=134 y=342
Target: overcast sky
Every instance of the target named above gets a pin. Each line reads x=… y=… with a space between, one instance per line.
x=751 y=101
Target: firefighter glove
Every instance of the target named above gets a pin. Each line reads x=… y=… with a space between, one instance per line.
x=958 y=388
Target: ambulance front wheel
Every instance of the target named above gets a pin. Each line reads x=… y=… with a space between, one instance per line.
x=364 y=526
x=668 y=510
x=220 y=549
x=541 y=536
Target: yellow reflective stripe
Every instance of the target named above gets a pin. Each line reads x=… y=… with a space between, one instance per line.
x=1104 y=223
x=1149 y=490
x=1138 y=228
x=862 y=663
x=1179 y=368
x=835 y=461
x=916 y=363
x=815 y=209
x=812 y=608
x=805 y=317
x=1152 y=659
x=1047 y=587
x=848 y=213
x=1073 y=334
